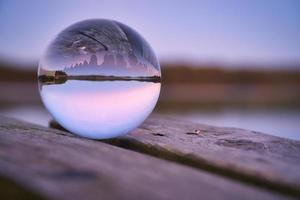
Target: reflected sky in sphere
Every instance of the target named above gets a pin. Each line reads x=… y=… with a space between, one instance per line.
x=99 y=79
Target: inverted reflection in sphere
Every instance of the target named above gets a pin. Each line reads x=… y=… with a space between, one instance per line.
x=99 y=79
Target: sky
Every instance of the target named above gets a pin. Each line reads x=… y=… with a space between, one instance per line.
x=231 y=31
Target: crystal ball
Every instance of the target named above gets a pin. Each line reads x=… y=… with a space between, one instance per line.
x=99 y=78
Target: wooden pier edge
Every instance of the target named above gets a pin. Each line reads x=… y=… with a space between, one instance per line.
x=39 y=162
x=270 y=162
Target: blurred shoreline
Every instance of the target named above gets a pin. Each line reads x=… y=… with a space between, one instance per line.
x=184 y=87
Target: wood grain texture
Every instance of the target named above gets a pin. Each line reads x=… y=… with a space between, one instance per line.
x=256 y=158
x=57 y=165
x=250 y=156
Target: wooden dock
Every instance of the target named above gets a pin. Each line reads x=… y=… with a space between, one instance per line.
x=162 y=159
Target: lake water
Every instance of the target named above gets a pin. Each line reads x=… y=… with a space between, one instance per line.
x=279 y=122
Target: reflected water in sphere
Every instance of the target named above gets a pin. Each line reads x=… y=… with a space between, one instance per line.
x=99 y=79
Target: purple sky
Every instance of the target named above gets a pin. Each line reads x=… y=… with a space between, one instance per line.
x=232 y=31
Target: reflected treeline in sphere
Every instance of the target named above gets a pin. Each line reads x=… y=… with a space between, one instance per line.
x=99 y=79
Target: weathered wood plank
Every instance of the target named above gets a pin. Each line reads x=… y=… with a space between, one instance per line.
x=249 y=156
x=57 y=165
x=259 y=158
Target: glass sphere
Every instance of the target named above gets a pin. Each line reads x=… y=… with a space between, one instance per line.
x=99 y=79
